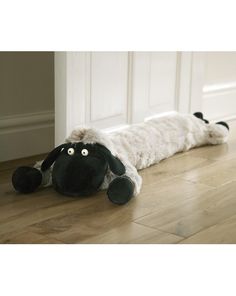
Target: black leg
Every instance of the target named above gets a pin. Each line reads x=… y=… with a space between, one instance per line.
x=26 y=179
x=200 y=116
x=223 y=123
x=120 y=190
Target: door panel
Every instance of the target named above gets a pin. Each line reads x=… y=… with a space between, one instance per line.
x=107 y=90
x=108 y=85
x=162 y=81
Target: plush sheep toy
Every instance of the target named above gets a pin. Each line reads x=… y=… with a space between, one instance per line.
x=91 y=160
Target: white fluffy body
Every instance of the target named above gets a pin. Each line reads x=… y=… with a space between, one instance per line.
x=145 y=144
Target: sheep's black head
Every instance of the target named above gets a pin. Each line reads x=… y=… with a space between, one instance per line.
x=79 y=169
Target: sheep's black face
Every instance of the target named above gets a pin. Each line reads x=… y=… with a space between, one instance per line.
x=79 y=170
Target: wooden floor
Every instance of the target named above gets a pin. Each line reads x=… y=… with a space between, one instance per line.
x=189 y=198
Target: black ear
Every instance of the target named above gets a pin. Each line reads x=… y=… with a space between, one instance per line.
x=52 y=156
x=116 y=166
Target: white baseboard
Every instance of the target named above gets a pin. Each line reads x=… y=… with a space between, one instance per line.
x=26 y=134
x=219 y=101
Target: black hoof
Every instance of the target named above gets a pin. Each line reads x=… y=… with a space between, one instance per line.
x=223 y=123
x=200 y=116
x=26 y=179
x=120 y=190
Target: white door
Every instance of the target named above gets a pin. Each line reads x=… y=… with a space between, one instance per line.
x=112 y=89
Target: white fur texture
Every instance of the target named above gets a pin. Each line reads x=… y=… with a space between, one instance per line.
x=145 y=144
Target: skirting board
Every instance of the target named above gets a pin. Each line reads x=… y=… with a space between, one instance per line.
x=26 y=134
x=219 y=102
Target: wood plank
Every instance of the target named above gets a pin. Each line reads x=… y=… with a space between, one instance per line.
x=40 y=214
x=102 y=216
x=216 y=174
x=27 y=161
x=189 y=217
x=221 y=233
x=178 y=164
x=26 y=237
x=133 y=233
x=218 y=152
x=24 y=204
x=171 y=167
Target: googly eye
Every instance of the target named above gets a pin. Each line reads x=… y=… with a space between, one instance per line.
x=71 y=151
x=84 y=152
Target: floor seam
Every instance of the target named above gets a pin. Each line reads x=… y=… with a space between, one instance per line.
x=207 y=228
x=163 y=231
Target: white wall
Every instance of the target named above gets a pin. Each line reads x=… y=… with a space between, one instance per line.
x=26 y=103
x=219 y=91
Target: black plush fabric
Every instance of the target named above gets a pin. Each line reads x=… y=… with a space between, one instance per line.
x=116 y=166
x=200 y=116
x=77 y=174
x=79 y=169
x=120 y=190
x=52 y=156
x=223 y=123
x=26 y=179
